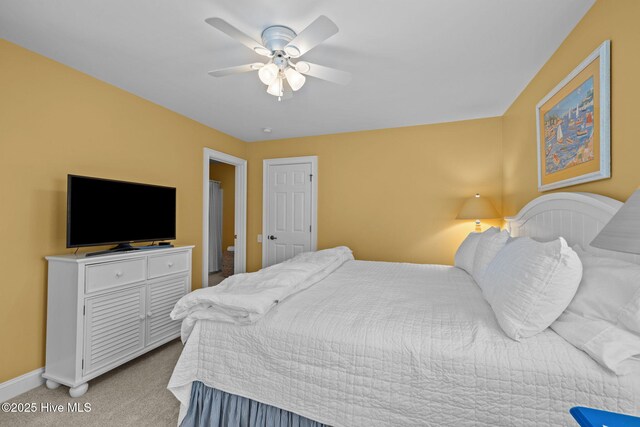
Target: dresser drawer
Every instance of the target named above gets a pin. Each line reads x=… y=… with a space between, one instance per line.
x=162 y=265
x=110 y=274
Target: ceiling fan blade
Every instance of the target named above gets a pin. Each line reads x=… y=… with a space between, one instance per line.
x=238 y=35
x=236 y=70
x=317 y=32
x=324 y=73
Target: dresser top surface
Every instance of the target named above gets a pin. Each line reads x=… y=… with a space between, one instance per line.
x=81 y=258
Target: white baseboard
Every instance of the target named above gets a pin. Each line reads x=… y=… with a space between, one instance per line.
x=16 y=386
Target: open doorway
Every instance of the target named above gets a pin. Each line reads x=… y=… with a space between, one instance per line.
x=224 y=217
x=222 y=184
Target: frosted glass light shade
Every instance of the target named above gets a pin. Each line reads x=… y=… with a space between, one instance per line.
x=295 y=79
x=275 y=88
x=268 y=73
x=622 y=232
x=477 y=208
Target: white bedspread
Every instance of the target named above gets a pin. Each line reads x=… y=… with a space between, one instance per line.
x=386 y=344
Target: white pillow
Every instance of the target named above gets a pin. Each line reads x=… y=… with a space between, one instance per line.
x=488 y=247
x=529 y=284
x=467 y=250
x=629 y=316
x=603 y=319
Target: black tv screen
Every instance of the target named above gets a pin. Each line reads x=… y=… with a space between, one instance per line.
x=103 y=211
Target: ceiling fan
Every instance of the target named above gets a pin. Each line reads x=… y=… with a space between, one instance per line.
x=282 y=46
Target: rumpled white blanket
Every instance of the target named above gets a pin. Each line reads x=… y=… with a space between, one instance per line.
x=245 y=298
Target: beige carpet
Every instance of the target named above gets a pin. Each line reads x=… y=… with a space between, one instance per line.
x=135 y=394
x=215 y=278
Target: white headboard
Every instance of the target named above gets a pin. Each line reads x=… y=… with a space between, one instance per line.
x=578 y=217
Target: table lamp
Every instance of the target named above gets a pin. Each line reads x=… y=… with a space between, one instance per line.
x=477 y=208
x=622 y=232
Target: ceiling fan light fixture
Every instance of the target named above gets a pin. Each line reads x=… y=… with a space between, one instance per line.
x=269 y=73
x=292 y=51
x=295 y=79
x=282 y=46
x=275 y=88
x=302 y=67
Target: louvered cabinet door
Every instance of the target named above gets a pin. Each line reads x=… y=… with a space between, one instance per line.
x=114 y=327
x=162 y=296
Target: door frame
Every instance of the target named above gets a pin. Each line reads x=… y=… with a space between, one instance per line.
x=240 y=220
x=266 y=163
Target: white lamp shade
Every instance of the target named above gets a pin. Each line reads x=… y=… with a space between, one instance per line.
x=268 y=73
x=275 y=88
x=622 y=232
x=295 y=79
x=477 y=208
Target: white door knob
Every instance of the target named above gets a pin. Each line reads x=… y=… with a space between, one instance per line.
x=141 y=317
x=170 y=264
x=118 y=273
x=149 y=314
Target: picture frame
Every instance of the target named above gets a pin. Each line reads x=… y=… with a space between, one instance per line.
x=573 y=125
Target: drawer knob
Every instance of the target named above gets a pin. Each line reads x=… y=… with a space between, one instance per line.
x=170 y=264
x=141 y=317
x=118 y=273
x=149 y=314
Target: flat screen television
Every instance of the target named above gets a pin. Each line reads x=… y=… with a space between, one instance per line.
x=104 y=212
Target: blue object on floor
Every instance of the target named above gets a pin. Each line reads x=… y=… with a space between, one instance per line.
x=588 y=417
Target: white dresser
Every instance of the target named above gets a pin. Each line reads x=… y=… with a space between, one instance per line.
x=105 y=310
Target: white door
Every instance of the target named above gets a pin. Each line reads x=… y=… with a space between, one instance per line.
x=289 y=209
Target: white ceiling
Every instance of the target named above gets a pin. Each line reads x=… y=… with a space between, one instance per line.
x=413 y=61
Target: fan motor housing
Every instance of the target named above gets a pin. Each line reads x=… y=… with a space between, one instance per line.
x=276 y=37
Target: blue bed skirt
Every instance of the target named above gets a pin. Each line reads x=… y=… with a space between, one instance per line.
x=214 y=408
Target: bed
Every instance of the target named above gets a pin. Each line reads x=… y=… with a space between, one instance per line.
x=393 y=344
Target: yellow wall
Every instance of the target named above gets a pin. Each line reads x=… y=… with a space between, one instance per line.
x=226 y=174
x=55 y=121
x=608 y=19
x=390 y=194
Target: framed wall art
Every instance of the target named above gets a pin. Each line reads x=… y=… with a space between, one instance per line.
x=573 y=125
